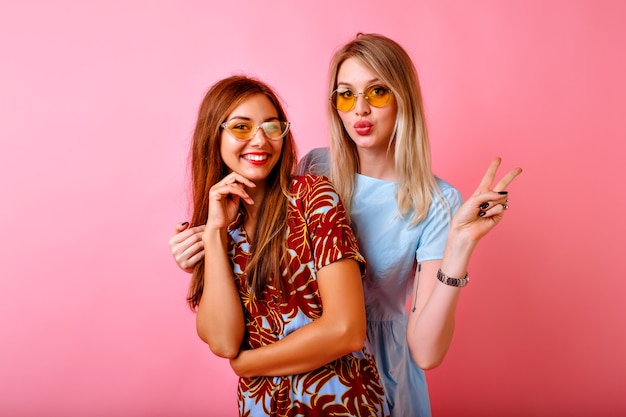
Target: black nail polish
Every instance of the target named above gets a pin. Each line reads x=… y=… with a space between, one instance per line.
x=484 y=206
x=184 y=223
x=481 y=214
x=503 y=192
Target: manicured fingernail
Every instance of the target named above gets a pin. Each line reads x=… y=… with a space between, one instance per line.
x=484 y=206
x=481 y=214
x=184 y=223
x=503 y=192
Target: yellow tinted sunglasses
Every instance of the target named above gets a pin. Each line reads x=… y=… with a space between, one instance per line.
x=246 y=130
x=344 y=99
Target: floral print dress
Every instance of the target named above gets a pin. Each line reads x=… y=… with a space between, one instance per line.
x=318 y=234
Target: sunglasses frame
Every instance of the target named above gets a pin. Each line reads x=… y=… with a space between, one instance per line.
x=256 y=130
x=333 y=98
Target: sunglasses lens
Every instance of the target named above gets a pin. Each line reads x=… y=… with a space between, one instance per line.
x=245 y=130
x=240 y=129
x=378 y=95
x=343 y=100
x=275 y=129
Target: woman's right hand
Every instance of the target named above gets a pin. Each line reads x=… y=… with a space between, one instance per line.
x=224 y=200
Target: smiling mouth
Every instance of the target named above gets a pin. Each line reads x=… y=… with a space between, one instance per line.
x=256 y=158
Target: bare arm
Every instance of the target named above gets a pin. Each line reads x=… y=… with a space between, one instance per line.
x=431 y=323
x=340 y=330
x=220 y=319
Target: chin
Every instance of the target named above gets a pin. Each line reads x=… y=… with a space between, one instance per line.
x=369 y=143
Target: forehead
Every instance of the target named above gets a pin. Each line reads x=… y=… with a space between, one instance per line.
x=256 y=107
x=354 y=72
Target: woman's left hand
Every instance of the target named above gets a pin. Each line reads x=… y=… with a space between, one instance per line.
x=486 y=207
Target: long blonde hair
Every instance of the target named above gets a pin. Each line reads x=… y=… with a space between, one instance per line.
x=208 y=168
x=417 y=185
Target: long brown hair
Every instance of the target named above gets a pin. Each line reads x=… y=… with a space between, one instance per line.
x=208 y=168
x=417 y=185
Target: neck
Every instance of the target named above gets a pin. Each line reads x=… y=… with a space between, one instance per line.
x=377 y=164
x=252 y=210
x=257 y=194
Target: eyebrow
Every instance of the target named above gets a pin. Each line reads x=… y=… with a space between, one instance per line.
x=368 y=84
x=267 y=119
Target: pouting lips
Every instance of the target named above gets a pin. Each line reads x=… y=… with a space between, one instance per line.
x=362 y=124
x=363 y=127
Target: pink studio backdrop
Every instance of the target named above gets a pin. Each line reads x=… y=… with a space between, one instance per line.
x=97 y=104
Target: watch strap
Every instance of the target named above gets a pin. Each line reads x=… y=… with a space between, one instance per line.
x=453 y=282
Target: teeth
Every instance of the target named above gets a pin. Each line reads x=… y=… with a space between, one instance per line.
x=256 y=157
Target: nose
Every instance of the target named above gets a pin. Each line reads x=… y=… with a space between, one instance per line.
x=362 y=106
x=259 y=137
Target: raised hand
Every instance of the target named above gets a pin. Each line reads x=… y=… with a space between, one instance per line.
x=486 y=207
x=224 y=200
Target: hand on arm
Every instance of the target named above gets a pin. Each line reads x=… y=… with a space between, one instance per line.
x=340 y=330
x=219 y=319
x=187 y=246
x=431 y=325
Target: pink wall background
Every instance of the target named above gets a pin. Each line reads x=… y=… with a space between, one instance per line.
x=97 y=104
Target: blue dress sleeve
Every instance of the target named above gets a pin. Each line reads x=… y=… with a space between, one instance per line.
x=316 y=162
x=432 y=241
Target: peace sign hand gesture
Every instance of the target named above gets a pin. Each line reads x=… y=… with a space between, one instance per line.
x=485 y=208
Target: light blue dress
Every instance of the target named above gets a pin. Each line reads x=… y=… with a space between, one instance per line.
x=392 y=249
